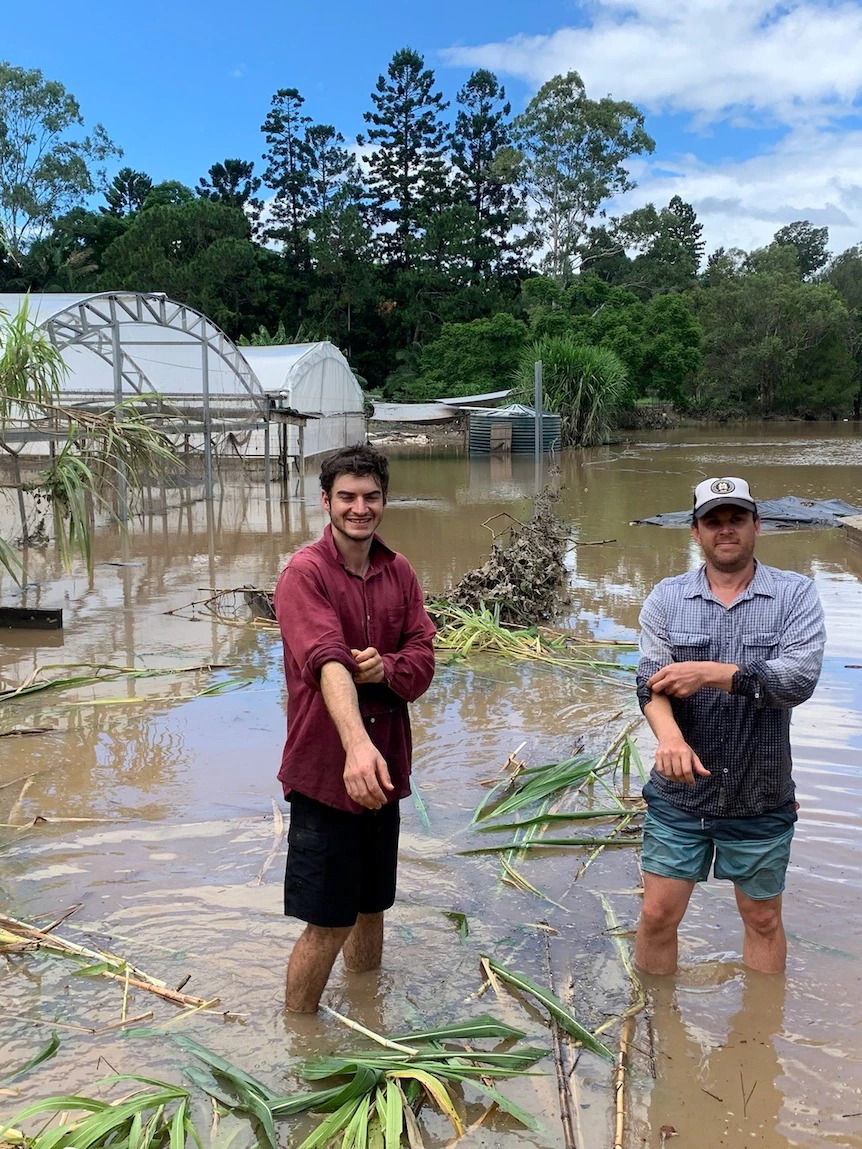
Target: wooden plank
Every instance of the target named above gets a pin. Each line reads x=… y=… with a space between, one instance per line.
x=31 y=618
x=501 y=438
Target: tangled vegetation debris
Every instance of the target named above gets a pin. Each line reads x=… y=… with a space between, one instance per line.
x=523 y=578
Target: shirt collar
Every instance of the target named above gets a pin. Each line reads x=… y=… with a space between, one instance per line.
x=381 y=555
x=762 y=583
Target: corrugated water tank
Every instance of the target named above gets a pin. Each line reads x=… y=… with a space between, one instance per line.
x=512 y=429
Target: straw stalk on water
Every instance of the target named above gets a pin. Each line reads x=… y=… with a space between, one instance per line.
x=98 y=672
x=17 y=936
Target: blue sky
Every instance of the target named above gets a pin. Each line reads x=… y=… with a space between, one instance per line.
x=755 y=107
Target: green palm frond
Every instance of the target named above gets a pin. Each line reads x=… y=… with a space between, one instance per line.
x=582 y=384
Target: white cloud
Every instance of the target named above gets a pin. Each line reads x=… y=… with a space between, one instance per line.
x=715 y=59
x=813 y=175
x=749 y=63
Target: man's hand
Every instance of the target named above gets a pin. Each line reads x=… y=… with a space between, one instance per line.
x=682 y=679
x=675 y=759
x=366 y=775
x=370 y=666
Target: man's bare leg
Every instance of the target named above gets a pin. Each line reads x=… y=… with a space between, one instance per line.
x=363 y=949
x=310 y=966
x=664 y=905
x=764 y=947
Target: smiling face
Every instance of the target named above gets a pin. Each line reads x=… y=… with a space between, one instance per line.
x=726 y=536
x=355 y=507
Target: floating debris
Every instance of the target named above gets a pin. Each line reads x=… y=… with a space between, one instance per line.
x=18 y=937
x=524 y=576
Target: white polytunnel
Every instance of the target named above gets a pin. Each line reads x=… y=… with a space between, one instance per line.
x=125 y=343
x=313 y=379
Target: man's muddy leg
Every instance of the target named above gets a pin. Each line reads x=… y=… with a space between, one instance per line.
x=310 y=966
x=363 y=949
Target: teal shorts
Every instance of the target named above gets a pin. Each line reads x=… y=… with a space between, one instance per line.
x=757 y=866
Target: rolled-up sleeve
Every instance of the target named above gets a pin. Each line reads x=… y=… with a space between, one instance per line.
x=410 y=670
x=789 y=678
x=655 y=649
x=309 y=624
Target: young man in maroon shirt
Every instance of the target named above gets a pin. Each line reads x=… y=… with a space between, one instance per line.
x=357 y=650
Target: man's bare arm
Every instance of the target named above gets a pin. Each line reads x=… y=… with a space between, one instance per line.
x=674 y=758
x=682 y=679
x=366 y=775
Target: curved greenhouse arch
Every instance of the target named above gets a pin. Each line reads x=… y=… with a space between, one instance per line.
x=122 y=343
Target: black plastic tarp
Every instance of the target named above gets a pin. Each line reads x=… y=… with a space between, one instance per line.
x=787 y=512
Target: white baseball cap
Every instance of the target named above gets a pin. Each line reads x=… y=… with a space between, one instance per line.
x=712 y=493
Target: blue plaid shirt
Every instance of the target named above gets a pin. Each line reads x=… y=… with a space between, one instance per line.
x=774 y=633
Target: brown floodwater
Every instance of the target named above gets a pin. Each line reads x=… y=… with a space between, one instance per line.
x=178 y=788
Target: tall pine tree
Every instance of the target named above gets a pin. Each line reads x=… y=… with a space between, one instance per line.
x=233 y=183
x=126 y=192
x=480 y=144
x=407 y=173
x=334 y=177
x=287 y=172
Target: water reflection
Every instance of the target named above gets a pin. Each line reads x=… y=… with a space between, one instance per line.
x=177 y=880
x=718 y=1073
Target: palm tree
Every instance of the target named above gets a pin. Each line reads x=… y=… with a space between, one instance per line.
x=103 y=458
x=584 y=385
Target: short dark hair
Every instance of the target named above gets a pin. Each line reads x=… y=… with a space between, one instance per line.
x=360 y=459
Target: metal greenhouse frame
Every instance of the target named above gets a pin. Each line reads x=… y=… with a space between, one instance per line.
x=155 y=348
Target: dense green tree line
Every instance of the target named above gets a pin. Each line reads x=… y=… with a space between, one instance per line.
x=442 y=247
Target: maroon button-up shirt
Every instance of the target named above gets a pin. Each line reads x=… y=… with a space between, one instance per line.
x=324 y=611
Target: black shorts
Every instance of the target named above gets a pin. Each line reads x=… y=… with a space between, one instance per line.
x=339 y=864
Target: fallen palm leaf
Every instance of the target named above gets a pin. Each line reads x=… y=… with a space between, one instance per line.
x=553 y=843
x=553 y=1005
x=459 y=920
x=549 y=818
x=154 y=700
x=478 y=629
x=516 y=879
x=141 y=1121
x=46 y=1052
x=373 y=1105
x=622 y=948
x=103 y=672
x=421 y=809
x=278 y=840
x=541 y=782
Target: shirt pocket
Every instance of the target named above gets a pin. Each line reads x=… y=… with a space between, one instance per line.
x=689 y=647
x=760 y=644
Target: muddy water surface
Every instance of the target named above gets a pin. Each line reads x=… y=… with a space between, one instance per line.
x=179 y=790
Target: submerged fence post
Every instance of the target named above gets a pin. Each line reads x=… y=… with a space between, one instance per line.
x=208 y=440
x=267 y=457
x=538 y=402
x=117 y=357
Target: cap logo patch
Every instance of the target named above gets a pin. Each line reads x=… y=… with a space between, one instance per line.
x=723 y=487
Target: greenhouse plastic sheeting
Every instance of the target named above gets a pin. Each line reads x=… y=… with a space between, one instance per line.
x=789 y=511
x=159 y=337
x=313 y=379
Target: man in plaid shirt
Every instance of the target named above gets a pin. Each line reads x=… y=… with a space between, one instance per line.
x=727 y=651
